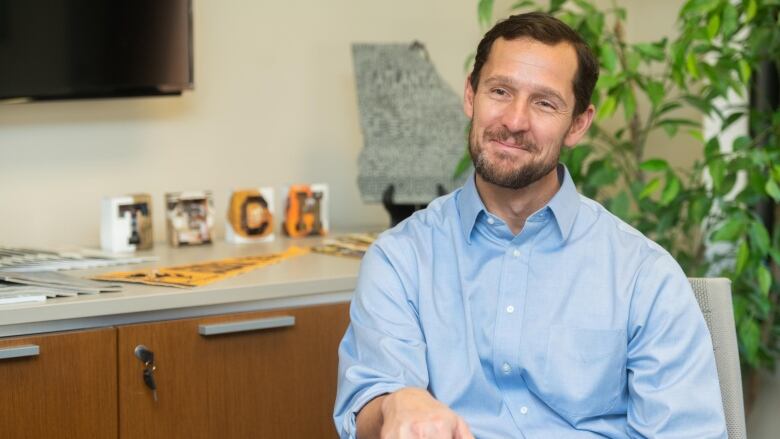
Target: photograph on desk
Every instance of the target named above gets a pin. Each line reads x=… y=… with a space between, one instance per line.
x=190 y=218
x=126 y=223
x=250 y=216
x=306 y=210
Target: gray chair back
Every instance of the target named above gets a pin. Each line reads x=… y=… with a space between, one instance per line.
x=714 y=297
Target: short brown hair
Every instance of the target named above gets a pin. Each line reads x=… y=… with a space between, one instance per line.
x=548 y=30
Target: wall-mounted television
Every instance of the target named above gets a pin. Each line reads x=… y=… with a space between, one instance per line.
x=71 y=49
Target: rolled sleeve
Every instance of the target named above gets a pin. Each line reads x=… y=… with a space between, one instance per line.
x=383 y=349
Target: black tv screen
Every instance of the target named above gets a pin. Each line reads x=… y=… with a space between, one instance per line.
x=64 y=49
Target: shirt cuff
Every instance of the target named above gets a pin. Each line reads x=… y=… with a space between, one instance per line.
x=348 y=427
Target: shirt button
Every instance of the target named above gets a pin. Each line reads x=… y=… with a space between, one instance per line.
x=523 y=409
x=510 y=309
x=506 y=368
x=516 y=253
x=490 y=220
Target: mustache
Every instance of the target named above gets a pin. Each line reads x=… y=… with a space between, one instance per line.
x=502 y=134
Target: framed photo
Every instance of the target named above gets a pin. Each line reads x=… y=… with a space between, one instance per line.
x=126 y=223
x=306 y=210
x=250 y=216
x=190 y=218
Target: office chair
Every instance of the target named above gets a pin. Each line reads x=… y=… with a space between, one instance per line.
x=714 y=297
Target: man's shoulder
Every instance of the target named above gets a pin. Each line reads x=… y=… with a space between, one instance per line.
x=595 y=218
x=417 y=229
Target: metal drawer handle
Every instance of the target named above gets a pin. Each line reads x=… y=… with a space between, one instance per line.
x=20 y=351
x=247 y=325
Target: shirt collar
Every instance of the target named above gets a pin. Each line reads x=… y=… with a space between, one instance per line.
x=469 y=205
x=564 y=205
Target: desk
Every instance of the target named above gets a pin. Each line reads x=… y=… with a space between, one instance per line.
x=85 y=381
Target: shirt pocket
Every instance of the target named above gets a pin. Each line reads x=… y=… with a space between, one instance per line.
x=584 y=369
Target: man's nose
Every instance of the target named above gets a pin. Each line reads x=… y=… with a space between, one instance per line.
x=516 y=116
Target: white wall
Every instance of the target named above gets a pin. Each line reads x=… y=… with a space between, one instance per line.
x=274 y=104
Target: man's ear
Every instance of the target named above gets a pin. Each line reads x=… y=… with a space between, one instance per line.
x=579 y=126
x=468 y=99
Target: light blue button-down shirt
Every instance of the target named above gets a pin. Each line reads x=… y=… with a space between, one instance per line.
x=578 y=327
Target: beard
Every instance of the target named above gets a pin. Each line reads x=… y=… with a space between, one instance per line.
x=501 y=170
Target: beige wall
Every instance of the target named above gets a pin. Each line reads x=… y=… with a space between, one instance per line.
x=274 y=104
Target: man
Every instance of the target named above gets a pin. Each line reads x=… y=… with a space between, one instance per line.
x=514 y=307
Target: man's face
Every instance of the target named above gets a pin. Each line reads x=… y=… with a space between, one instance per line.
x=521 y=112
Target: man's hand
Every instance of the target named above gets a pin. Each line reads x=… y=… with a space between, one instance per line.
x=411 y=413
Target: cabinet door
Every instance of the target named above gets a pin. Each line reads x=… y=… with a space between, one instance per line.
x=59 y=386
x=276 y=382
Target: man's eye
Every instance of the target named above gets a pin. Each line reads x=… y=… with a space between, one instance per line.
x=499 y=92
x=546 y=104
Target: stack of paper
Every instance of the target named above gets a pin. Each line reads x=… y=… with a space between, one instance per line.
x=37 y=286
x=25 y=260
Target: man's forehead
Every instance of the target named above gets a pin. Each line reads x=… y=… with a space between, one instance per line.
x=525 y=55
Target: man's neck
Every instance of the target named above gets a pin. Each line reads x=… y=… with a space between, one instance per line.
x=514 y=206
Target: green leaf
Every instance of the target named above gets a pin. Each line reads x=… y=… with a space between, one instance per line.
x=555 y=5
x=713 y=26
x=717 y=170
x=523 y=3
x=633 y=59
x=669 y=106
x=750 y=336
x=594 y=20
x=650 y=51
x=730 y=19
x=654 y=165
x=698 y=8
x=697 y=134
x=751 y=9
x=733 y=117
x=712 y=148
x=760 y=237
x=671 y=125
x=608 y=57
x=691 y=65
x=743 y=254
x=629 y=104
x=607 y=108
x=469 y=63
x=650 y=188
x=701 y=104
x=607 y=81
x=671 y=190
x=772 y=189
x=729 y=231
x=463 y=164
x=655 y=91
x=764 y=280
x=619 y=205
x=745 y=71
x=485 y=13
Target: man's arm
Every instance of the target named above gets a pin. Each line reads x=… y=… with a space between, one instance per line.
x=672 y=380
x=383 y=369
x=410 y=413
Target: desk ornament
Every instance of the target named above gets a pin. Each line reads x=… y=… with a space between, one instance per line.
x=250 y=216
x=126 y=223
x=190 y=218
x=306 y=211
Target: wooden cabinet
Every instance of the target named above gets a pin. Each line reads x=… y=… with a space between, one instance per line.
x=59 y=385
x=274 y=378
x=278 y=381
